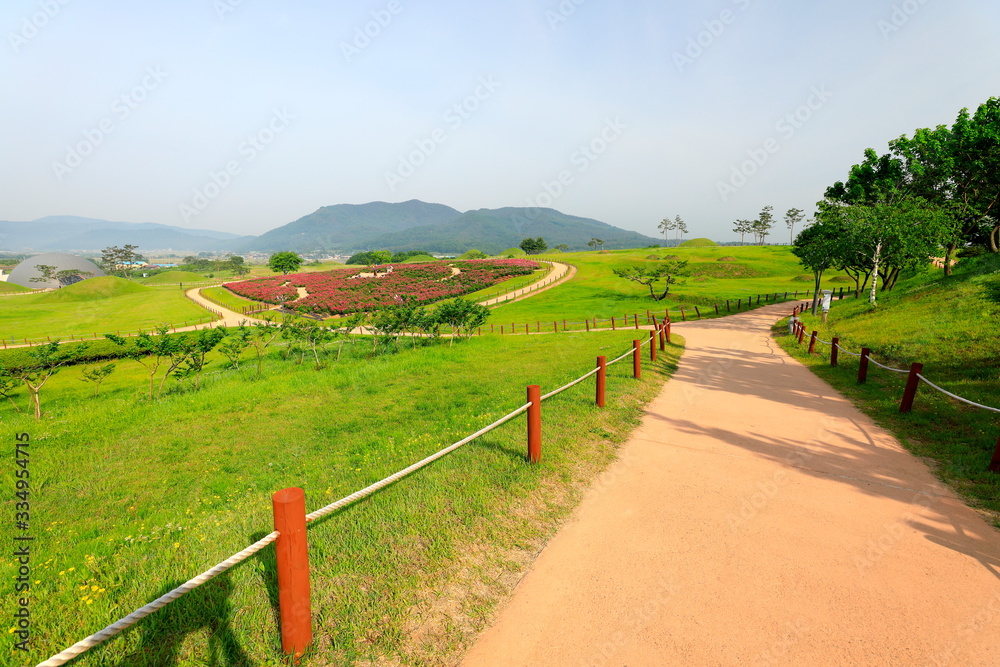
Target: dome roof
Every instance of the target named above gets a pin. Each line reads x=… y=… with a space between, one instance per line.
x=25 y=271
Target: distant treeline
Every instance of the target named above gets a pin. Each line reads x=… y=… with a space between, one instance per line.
x=371 y=258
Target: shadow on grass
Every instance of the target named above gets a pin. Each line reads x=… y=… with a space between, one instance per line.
x=206 y=608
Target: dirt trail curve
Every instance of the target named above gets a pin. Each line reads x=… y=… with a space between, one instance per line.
x=756 y=517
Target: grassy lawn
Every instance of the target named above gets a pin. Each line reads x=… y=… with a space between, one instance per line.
x=11 y=288
x=950 y=326
x=134 y=496
x=97 y=305
x=597 y=292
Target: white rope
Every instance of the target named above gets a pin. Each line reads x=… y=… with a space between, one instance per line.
x=615 y=361
x=567 y=386
x=888 y=368
x=368 y=490
x=957 y=398
x=825 y=342
x=133 y=618
x=849 y=352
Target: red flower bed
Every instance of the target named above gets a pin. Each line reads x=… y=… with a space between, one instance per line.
x=344 y=291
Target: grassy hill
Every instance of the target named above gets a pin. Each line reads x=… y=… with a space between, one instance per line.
x=950 y=326
x=11 y=288
x=174 y=278
x=698 y=243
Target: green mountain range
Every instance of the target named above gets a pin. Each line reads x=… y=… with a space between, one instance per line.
x=416 y=225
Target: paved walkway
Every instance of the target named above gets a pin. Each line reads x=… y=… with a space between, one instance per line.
x=756 y=517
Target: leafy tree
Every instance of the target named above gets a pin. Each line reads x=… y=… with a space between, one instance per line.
x=263 y=335
x=595 y=243
x=120 y=260
x=47 y=271
x=818 y=248
x=149 y=350
x=196 y=350
x=462 y=316
x=743 y=227
x=46 y=361
x=235 y=344
x=562 y=247
x=680 y=227
x=793 y=217
x=666 y=226
x=97 y=375
x=651 y=274
x=534 y=246
x=8 y=382
x=763 y=224
x=284 y=262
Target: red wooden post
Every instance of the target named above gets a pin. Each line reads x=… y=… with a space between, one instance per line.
x=501 y=329
x=663 y=337
x=587 y=322
x=812 y=342
x=534 y=423
x=491 y=329
x=647 y=316
x=834 y=350
x=526 y=327
x=863 y=366
x=291 y=551
x=602 y=379
x=652 y=346
x=564 y=325
x=538 y=327
x=555 y=327
x=683 y=316
x=635 y=318
x=911 y=387
x=612 y=322
x=697 y=312
x=802 y=332
x=995 y=463
x=668 y=331
x=636 y=360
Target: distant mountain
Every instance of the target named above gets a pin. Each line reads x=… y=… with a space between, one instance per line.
x=75 y=234
x=347 y=227
x=494 y=230
x=416 y=225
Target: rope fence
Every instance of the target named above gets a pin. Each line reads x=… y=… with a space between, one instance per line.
x=914 y=374
x=296 y=623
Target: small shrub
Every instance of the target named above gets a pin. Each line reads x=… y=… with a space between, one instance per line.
x=726 y=259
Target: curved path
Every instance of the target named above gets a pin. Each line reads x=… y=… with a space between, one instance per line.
x=757 y=517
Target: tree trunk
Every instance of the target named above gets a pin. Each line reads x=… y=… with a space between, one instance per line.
x=878 y=256
x=995 y=239
x=947 y=257
x=817 y=279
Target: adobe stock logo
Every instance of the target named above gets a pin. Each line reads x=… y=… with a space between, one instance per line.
x=121 y=108
x=30 y=26
x=713 y=30
x=364 y=35
x=248 y=150
x=900 y=16
x=787 y=126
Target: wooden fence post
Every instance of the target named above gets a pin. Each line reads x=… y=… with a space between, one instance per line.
x=636 y=360
x=667 y=329
x=635 y=318
x=995 y=463
x=534 y=423
x=697 y=312
x=292 y=555
x=727 y=305
x=652 y=346
x=683 y=316
x=663 y=337
x=812 y=341
x=863 y=366
x=716 y=309
x=602 y=380
x=911 y=387
x=834 y=350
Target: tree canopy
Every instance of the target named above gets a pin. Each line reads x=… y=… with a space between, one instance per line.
x=284 y=262
x=534 y=246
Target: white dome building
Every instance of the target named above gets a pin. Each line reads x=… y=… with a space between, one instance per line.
x=76 y=268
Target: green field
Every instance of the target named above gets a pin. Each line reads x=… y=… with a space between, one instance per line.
x=718 y=273
x=97 y=305
x=11 y=288
x=950 y=326
x=134 y=496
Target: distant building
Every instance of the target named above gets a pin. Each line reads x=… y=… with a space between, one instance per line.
x=73 y=269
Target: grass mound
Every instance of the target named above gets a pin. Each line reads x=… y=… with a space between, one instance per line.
x=512 y=252
x=698 y=243
x=174 y=277
x=420 y=259
x=472 y=253
x=730 y=270
x=11 y=288
x=842 y=279
x=802 y=278
x=103 y=287
x=726 y=259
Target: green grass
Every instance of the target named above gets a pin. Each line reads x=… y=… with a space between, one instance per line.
x=420 y=259
x=512 y=252
x=100 y=305
x=950 y=326
x=11 y=288
x=597 y=292
x=133 y=496
x=227 y=299
x=176 y=277
x=698 y=243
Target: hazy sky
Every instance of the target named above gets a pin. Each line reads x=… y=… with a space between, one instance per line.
x=243 y=115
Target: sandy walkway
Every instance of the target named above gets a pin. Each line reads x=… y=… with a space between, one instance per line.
x=754 y=518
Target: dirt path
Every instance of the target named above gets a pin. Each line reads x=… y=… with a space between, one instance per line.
x=756 y=517
x=560 y=274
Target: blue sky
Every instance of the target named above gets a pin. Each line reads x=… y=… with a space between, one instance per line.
x=242 y=116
